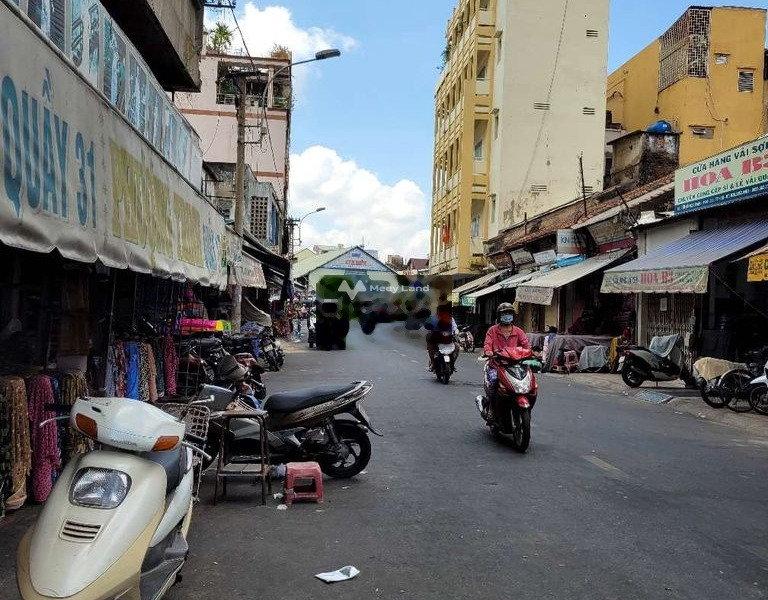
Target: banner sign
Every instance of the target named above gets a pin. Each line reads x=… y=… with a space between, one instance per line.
x=249 y=273
x=77 y=177
x=735 y=175
x=535 y=295
x=758 y=268
x=468 y=301
x=521 y=257
x=690 y=280
x=569 y=242
x=547 y=257
x=356 y=260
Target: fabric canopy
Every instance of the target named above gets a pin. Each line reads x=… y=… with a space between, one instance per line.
x=510 y=282
x=543 y=289
x=479 y=282
x=682 y=266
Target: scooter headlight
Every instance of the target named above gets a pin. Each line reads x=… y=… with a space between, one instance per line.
x=99 y=488
x=520 y=385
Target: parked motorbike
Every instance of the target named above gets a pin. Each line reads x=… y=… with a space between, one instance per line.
x=303 y=426
x=466 y=339
x=209 y=363
x=758 y=395
x=271 y=350
x=661 y=361
x=116 y=523
x=511 y=385
x=444 y=362
x=312 y=330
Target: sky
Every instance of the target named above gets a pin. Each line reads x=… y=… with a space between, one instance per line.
x=362 y=130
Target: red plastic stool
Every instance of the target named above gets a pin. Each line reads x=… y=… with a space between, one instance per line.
x=301 y=473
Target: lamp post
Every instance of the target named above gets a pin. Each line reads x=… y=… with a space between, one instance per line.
x=240 y=165
x=300 y=221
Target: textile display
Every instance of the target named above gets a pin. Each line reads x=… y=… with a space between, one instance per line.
x=171 y=362
x=564 y=342
x=15 y=392
x=159 y=368
x=6 y=466
x=132 y=370
x=73 y=386
x=45 y=442
x=144 y=374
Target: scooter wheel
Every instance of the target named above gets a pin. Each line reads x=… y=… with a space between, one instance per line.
x=629 y=377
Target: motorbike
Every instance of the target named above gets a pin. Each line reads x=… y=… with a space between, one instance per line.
x=303 y=424
x=758 y=395
x=661 y=361
x=271 y=350
x=116 y=522
x=466 y=339
x=444 y=362
x=209 y=363
x=312 y=330
x=510 y=383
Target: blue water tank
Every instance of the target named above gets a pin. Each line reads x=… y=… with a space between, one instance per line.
x=660 y=127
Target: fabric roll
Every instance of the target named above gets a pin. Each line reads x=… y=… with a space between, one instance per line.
x=73 y=386
x=121 y=368
x=15 y=392
x=144 y=374
x=171 y=365
x=157 y=350
x=45 y=442
x=109 y=380
x=132 y=370
x=6 y=464
x=152 y=368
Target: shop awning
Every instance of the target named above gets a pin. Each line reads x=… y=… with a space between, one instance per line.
x=249 y=273
x=682 y=266
x=543 y=289
x=757 y=270
x=478 y=282
x=510 y=282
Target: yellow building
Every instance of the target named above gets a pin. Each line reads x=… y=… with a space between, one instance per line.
x=705 y=76
x=462 y=112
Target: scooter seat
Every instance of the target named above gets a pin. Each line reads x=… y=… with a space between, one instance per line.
x=288 y=402
x=175 y=464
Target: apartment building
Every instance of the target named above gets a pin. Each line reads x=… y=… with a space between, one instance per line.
x=706 y=75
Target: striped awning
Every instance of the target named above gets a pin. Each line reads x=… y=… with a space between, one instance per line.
x=682 y=266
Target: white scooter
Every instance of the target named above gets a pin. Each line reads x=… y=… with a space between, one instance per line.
x=758 y=394
x=115 y=525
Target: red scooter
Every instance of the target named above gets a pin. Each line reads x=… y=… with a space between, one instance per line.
x=511 y=385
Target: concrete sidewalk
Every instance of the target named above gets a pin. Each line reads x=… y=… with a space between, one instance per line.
x=680 y=399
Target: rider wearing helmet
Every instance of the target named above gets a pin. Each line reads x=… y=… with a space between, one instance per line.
x=505 y=334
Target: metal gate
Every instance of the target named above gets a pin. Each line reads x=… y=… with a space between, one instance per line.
x=669 y=314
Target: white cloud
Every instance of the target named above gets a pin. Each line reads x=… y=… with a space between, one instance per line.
x=263 y=28
x=358 y=207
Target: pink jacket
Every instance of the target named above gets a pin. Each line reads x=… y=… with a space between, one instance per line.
x=495 y=340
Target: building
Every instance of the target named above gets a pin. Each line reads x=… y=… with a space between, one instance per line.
x=213 y=114
x=520 y=99
x=706 y=76
x=396 y=262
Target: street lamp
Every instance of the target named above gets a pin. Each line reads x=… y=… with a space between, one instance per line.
x=298 y=224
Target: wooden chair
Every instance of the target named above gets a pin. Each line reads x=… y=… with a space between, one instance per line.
x=233 y=467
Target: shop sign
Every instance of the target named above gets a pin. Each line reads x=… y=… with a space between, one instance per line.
x=77 y=177
x=469 y=301
x=535 y=295
x=545 y=258
x=521 y=257
x=249 y=273
x=569 y=242
x=732 y=176
x=356 y=260
x=608 y=234
x=690 y=280
x=758 y=268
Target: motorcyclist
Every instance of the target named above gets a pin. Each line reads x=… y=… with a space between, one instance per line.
x=441 y=331
x=505 y=334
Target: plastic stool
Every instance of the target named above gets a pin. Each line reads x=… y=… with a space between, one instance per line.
x=571 y=360
x=302 y=472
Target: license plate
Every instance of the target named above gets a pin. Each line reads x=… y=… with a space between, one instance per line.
x=447 y=359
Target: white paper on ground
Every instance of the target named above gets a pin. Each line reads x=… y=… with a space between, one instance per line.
x=342 y=574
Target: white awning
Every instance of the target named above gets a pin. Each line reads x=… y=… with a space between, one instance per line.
x=478 y=282
x=249 y=273
x=543 y=290
x=509 y=283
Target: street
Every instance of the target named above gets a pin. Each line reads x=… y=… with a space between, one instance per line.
x=616 y=498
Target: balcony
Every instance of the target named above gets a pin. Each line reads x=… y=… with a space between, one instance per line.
x=483 y=87
x=476 y=246
x=485 y=17
x=479 y=167
x=223 y=98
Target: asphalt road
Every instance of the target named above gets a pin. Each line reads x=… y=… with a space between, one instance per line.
x=615 y=499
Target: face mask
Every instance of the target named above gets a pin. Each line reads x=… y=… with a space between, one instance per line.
x=506 y=319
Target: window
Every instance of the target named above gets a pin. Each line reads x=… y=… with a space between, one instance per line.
x=587 y=110
x=721 y=59
x=498 y=47
x=475 y=226
x=541 y=106
x=482 y=72
x=496 y=126
x=493 y=208
x=478 y=149
x=592 y=33
x=746 y=81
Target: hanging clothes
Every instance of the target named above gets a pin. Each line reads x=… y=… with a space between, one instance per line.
x=6 y=465
x=120 y=369
x=157 y=351
x=15 y=393
x=152 y=368
x=73 y=386
x=110 y=375
x=171 y=365
x=132 y=370
x=45 y=443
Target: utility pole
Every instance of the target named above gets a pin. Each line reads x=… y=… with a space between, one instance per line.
x=237 y=298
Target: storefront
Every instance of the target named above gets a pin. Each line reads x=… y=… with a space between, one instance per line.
x=568 y=298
